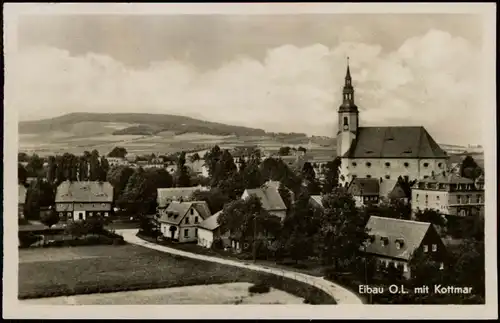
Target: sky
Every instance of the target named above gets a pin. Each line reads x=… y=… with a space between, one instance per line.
x=278 y=73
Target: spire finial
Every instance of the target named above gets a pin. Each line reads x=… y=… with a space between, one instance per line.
x=348 y=73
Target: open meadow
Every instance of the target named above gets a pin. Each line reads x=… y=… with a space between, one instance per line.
x=52 y=272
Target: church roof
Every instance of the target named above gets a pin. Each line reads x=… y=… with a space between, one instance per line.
x=394 y=142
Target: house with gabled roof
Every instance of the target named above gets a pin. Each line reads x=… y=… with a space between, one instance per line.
x=393 y=242
x=180 y=220
x=383 y=153
x=209 y=231
x=270 y=198
x=364 y=191
x=78 y=200
x=179 y=194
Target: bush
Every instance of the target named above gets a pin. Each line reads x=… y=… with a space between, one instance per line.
x=259 y=288
x=26 y=240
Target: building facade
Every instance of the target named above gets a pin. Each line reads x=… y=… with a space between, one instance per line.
x=209 y=231
x=270 y=198
x=75 y=201
x=383 y=153
x=180 y=220
x=449 y=195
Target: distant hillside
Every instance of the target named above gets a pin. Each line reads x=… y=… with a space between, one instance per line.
x=141 y=123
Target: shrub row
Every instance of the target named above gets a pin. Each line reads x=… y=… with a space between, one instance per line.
x=86 y=241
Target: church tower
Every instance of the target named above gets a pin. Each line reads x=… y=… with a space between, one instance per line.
x=348 y=117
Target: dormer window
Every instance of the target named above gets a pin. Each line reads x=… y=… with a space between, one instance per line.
x=387 y=165
x=368 y=164
x=426 y=165
x=399 y=243
x=406 y=165
x=384 y=241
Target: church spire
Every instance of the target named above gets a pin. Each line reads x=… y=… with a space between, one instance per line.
x=348 y=92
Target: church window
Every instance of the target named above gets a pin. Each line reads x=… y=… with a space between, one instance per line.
x=406 y=164
x=354 y=164
x=387 y=176
x=345 y=121
x=387 y=164
x=368 y=164
x=426 y=164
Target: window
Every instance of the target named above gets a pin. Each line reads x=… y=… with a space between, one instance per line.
x=106 y=214
x=468 y=199
x=463 y=212
x=368 y=164
x=68 y=214
x=91 y=214
x=387 y=176
x=478 y=199
x=405 y=268
x=195 y=219
x=192 y=211
x=426 y=198
x=384 y=241
x=459 y=199
x=345 y=121
x=437 y=197
x=426 y=176
x=398 y=245
x=196 y=232
x=426 y=248
x=186 y=233
x=434 y=247
x=354 y=164
x=80 y=216
x=61 y=214
x=387 y=164
x=406 y=165
x=440 y=165
x=426 y=164
x=187 y=220
x=416 y=198
x=368 y=176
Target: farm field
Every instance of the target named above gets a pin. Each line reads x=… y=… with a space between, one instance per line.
x=55 y=272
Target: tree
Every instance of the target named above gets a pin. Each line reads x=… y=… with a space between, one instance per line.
x=118 y=152
x=302 y=149
x=470 y=169
x=343 y=229
x=49 y=218
x=214 y=198
x=22 y=157
x=94 y=171
x=104 y=168
x=118 y=177
x=135 y=198
x=309 y=176
x=331 y=175
x=35 y=166
x=22 y=174
x=212 y=158
x=432 y=216
x=250 y=174
x=182 y=178
x=406 y=184
x=52 y=169
x=225 y=168
x=284 y=151
x=300 y=229
x=194 y=157
x=245 y=217
x=276 y=170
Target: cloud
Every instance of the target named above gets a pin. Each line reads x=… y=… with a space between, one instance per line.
x=430 y=80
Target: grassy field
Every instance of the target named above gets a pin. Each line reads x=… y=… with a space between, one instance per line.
x=99 y=269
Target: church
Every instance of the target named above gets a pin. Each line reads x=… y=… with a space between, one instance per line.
x=382 y=154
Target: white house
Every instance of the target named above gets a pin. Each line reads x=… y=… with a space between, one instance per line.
x=79 y=200
x=180 y=220
x=269 y=197
x=209 y=230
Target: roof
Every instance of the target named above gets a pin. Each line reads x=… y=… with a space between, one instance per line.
x=175 y=193
x=397 y=192
x=364 y=187
x=86 y=191
x=176 y=211
x=210 y=223
x=411 y=234
x=316 y=199
x=447 y=179
x=394 y=142
x=22 y=194
x=269 y=197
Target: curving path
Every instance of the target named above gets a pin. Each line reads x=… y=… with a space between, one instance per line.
x=339 y=293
